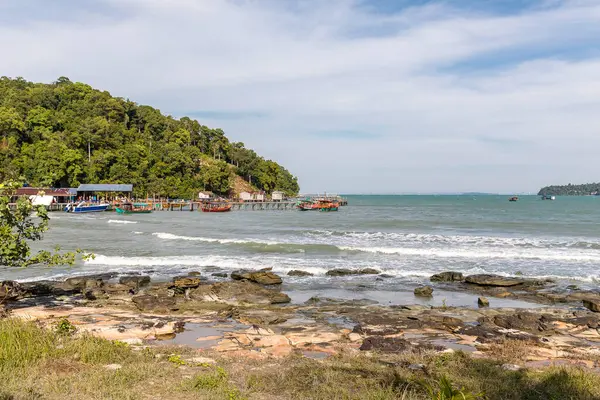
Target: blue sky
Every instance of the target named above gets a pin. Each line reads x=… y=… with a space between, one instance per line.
x=387 y=96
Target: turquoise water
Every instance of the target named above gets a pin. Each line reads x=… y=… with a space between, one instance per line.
x=407 y=237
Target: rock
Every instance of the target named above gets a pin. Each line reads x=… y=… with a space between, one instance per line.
x=448 y=276
x=354 y=337
x=186 y=283
x=202 y=360
x=592 y=304
x=493 y=280
x=424 y=291
x=263 y=277
x=220 y=274
x=194 y=273
x=148 y=302
x=84 y=282
x=523 y=321
x=11 y=290
x=95 y=294
x=483 y=302
x=368 y=271
x=238 y=292
x=511 y=367
x=416 y=367
x=135 y=281
x=393 y=345
x=297 y=272
x=113 y=367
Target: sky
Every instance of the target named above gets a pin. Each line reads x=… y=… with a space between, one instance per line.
x=352 y=96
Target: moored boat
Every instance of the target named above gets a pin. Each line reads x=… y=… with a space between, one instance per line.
x=327 y=205
x=514 y=198
x=215 y=207
x=547 y=197
x=85 y=207
x=133 y=208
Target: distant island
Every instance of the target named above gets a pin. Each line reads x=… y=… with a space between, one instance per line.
x=570 y=190
x=66 y=133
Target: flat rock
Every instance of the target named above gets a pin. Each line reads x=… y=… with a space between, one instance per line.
x=84 y=282
x=493 y=280
x=238 y=292
x=148 y=302
x=186 y=283
x=347 y=272
x=95 y=294
x=393 y=345
x=263 y=277
x=297 y=272
x=448 y=276
x=135 y=281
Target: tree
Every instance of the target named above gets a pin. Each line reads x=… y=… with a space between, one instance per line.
x=18 y=228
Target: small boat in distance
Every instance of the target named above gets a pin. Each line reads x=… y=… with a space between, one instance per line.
x=85 y=207
x=215 y=207
x=514 y=198
x=133 y=208
x=547 y=197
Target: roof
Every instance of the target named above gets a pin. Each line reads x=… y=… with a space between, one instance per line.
x=105 y=187
x=29 y=191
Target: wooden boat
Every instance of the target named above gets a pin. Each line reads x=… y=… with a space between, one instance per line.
x=215 y=207
x=85 y=207
x=327 y=205
x=133 y=208
x=307 y=206
x=514 y=198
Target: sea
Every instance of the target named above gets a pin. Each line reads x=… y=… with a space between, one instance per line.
x=408 y=238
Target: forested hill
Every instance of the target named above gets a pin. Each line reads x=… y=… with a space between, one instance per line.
x=570 y=190
x=64 y=133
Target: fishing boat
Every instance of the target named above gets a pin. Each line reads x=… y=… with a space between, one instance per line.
x=215 y=207
x=85 y=207
x=514 y=198
x=546 y=197
x=133 y=208
x=307 y=206
x=327 y=205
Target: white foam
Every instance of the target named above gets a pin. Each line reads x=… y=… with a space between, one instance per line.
x=170 y=236
x=121 y=221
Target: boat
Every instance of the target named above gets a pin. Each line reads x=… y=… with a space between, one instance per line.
x=327 y=205
x=307 y=206
x=133 y=208
x=86 y=207
x=215 y=207
x=546 y=197
x=514 y=198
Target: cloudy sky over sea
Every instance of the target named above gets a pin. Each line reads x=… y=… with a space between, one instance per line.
x=383 y=96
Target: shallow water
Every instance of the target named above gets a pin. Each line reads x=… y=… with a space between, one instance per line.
x=406 y=237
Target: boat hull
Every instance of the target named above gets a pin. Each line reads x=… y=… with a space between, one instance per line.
x=87 y=209
x=121 y=211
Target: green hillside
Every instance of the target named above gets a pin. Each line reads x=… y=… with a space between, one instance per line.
x=570 y=190
x=64 y=133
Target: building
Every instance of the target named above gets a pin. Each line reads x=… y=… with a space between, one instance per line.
x=252 y=196
x=45 y=196
x=277 y=196
x=107 y=191
x=205 y=195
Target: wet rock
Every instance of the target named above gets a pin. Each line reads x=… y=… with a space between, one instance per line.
x=263 y=277
x=135 y=281
x=572 y=287
x=186 y=283
x=84 y=282
x=194 y=273
x=95 y=294
x=297 y=272
x=220 y=274
x=483 y=302
x=347 y=272
x=11 y=290
x=592 y=304
x=424 y=291
x=493 y=280
x=148 y=302
x=448 y=276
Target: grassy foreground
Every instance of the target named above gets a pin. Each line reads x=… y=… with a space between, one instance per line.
x=38 y=363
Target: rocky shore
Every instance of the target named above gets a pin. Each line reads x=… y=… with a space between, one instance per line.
x=247 y=315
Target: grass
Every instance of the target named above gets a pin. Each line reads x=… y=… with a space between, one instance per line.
x=38 y=363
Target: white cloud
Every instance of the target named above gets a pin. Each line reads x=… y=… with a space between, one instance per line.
x=459 y=100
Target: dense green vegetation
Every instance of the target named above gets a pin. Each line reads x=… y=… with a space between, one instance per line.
x=63 y=134
x=570 y=190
